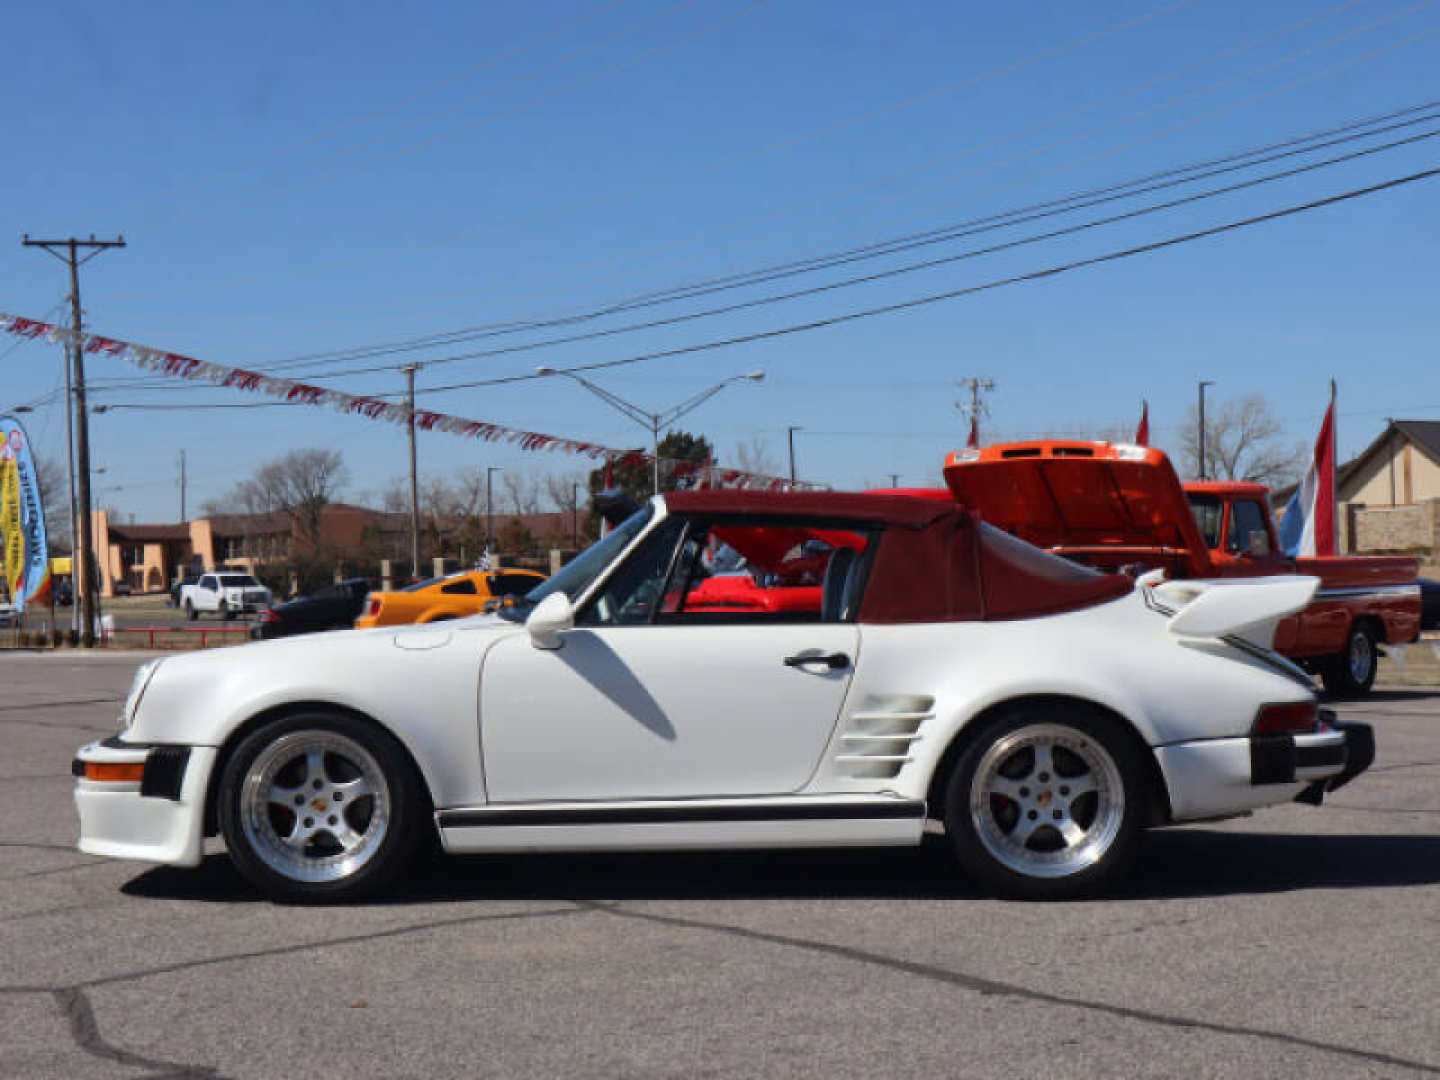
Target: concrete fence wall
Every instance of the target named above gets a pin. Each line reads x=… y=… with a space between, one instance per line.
x=1411 y=529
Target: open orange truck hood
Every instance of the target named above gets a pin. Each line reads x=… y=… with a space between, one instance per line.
x=1080 y=497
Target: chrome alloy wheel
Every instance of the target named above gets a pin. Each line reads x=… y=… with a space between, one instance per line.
x=1047 y=801
x=315 y=806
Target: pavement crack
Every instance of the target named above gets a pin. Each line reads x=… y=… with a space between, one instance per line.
x=67 y=848
x=1387 y=810
x=60 y=704
x=75 y=1007
x=351 y=939
x=990 y=987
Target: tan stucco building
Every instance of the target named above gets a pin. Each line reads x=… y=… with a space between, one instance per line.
x=1389 y=494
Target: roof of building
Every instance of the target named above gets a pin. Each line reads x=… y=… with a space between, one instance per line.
x=150 y=533
x=1424 y=434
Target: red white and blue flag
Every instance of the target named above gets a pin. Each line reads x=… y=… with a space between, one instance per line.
x=1308 y=527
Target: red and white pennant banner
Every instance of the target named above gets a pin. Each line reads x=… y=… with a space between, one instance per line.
x=372 y=408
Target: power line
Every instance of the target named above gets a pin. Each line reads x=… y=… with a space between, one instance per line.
x=1036 y=275
x=972 y=226
x=515 y=326
x=910 y=268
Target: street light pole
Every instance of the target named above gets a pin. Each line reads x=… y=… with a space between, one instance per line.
x=1201 y=426
x=790 y=431
x=655 y=421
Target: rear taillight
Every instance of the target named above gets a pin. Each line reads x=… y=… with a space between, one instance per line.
x=266 y=615
x=1288 y=719
x=373 y=608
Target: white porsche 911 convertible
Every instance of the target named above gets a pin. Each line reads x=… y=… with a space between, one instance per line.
x=858 y=670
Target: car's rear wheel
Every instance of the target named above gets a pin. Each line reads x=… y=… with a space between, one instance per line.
x=1353 y=670
x=189 y=611
x=319 y=807
x=1045 y=802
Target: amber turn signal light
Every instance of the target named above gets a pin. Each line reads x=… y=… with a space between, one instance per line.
x=115 y=771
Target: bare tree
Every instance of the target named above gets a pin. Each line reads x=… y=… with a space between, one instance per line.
x=522 y=491
x=299 y=485
x=755 y=457
x=55 y=498
x=1242 y=442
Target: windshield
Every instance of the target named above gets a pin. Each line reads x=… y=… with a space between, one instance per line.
x=239 y=581
x=577 y=575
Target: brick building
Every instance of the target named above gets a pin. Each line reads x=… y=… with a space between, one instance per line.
x=149 y=557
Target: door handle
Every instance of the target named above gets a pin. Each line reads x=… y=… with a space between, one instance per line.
x=835 y=661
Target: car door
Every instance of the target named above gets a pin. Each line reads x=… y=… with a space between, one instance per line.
x=207 y=594
x=644 y=700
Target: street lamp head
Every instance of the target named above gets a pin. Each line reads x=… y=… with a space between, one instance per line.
x=545 y=369
x=754 y=376
x=22 y=409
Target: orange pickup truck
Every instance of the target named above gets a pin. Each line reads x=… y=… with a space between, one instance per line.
x=1117 y=507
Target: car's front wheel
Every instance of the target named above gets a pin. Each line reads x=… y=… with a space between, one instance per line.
x=320 y=807
x=189 y=611
x=1045 y=802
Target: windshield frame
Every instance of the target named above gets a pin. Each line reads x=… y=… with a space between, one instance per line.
x=582 y=574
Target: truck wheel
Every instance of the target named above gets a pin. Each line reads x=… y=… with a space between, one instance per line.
x=1045 y=803
x=1353 y=670
x=227 y=612
x=189 y=611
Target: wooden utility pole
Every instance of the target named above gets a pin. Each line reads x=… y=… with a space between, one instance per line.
x=976 y=408
x=409 y=370
x=182 y=487
x=82 y=570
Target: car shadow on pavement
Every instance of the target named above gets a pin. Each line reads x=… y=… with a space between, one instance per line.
x=1175 y=864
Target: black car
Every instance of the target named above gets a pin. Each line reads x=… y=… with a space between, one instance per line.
x=1429 y=604
x=325 y=609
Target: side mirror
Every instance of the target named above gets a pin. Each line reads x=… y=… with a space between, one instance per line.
x=1259 y=543
x=550 y=619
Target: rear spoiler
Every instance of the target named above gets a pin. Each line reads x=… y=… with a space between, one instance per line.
x=1247 y=608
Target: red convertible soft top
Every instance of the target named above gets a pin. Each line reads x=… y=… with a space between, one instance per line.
x=936 y=561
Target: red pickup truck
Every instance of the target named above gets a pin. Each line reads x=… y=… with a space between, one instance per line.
x=1116 y=507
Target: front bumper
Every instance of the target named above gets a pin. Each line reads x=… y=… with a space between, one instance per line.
x=1220 y=777
x=159 y=818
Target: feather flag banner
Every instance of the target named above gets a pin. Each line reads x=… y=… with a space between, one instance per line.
x=371 y=408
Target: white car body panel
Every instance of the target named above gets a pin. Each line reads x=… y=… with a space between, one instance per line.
x=627 y=712
x=700 y=736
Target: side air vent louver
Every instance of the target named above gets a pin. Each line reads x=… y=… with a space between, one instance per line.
x=876 y=741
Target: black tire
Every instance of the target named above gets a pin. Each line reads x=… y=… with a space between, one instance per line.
x=189 y=611
x=303 y=854
x=1040 y=841
x=1351 y=672
x=227 y=612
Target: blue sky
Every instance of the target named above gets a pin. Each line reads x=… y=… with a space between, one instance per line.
x=294 y=180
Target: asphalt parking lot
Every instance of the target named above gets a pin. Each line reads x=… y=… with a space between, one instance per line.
x=1298 y=942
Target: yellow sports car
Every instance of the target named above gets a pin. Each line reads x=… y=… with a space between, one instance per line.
x=450 y=597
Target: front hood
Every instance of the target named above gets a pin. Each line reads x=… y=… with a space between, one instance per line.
x=197 y=697
x=1076 y=494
